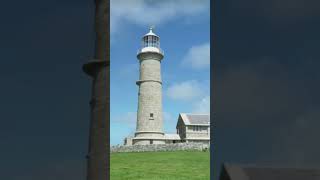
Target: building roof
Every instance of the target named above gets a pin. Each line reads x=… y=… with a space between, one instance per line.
x=195 y=119
x=254 y=172
x=172 y=137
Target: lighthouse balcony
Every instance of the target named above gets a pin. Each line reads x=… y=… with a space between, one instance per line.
x=151 y=49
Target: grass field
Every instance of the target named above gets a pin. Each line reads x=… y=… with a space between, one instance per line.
x=178 y=165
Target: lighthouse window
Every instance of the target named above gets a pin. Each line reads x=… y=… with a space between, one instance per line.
x=151 y=116
x=145 y=42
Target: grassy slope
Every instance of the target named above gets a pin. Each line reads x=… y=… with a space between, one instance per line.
x=179 y=165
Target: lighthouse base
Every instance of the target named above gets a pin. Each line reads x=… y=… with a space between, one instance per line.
x=148 y=137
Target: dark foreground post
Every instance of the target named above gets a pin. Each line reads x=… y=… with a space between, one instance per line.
x=98 y=69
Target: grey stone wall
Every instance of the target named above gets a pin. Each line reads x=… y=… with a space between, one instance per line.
x=161 y=147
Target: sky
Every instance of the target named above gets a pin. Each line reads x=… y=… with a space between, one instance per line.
x=184 y=30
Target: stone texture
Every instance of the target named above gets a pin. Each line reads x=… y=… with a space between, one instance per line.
x=161 y=147
x=149 y=128
x=150 y=101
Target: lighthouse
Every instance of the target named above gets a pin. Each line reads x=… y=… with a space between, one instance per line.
x=149 y=127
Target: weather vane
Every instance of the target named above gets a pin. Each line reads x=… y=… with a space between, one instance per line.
x=152 y=27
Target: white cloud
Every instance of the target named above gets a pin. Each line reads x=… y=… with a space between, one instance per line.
x=151 y=12
x=202 y=106
x=186 y=91
x=198 y=57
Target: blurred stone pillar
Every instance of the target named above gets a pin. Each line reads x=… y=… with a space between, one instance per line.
x=98 y=68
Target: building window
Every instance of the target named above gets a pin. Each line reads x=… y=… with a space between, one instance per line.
x=196 y=128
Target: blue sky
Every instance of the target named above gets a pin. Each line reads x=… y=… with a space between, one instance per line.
x=184 y=30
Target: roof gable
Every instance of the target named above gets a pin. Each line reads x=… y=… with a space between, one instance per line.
x=195 y=119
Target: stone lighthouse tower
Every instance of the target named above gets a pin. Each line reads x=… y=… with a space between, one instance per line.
x=149 y=116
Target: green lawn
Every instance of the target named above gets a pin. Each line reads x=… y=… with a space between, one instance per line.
x=178 y=165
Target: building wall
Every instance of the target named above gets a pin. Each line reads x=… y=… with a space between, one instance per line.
x=128 y=141
x=202 y=132
x=181 y=128
x=189 y=132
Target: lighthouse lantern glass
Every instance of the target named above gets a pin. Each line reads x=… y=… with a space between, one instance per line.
x=151 y=41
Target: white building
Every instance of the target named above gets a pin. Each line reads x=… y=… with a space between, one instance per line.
x=194 y=127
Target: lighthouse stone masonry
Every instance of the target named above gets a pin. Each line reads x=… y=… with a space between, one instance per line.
x=149 y=129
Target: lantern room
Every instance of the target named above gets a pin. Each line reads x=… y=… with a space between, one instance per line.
x=150 y=43
x=151 y=40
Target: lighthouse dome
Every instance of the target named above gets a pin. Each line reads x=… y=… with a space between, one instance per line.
x=150 y=33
